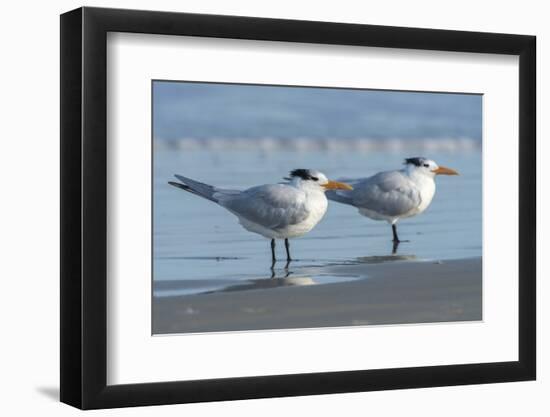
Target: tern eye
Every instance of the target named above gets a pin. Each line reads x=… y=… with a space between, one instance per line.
x=315 y=178
x=427 y=165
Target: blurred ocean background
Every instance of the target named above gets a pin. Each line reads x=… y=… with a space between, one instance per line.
x=238 y=136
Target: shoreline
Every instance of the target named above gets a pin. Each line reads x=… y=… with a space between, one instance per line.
x=401 y=292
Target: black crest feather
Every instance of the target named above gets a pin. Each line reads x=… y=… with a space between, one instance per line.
x=304 y=174
x=417 y=160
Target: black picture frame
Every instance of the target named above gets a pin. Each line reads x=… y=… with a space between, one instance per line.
x=84 y=207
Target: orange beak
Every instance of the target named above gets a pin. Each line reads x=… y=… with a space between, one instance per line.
x=445 y=171
x=335 y=185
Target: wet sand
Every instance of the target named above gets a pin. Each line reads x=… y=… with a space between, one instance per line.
x=387 y=293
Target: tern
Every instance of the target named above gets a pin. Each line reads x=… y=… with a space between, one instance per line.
x=394 y=195
x=275 y=211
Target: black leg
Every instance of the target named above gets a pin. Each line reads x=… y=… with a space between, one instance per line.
x=395 y=246
x=273 y=252
x=394 y=230
x=287 y=247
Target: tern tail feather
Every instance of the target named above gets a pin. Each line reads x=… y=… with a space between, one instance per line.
x=343 y=197
x=195 y=187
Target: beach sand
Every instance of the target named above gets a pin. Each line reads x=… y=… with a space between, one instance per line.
x=386 y=293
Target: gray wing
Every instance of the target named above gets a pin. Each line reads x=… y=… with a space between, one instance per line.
x=273 y=206
x=389 y=193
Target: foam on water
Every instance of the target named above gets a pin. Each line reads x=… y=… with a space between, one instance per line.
x=304 y=144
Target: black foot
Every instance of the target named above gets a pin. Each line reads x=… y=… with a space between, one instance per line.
x=395 y=246
x=396 y=239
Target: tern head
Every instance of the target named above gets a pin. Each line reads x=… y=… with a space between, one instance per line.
x=314 y=179
x=425 y=166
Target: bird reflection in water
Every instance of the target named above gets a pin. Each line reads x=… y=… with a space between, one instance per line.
x=378 y=259
x=284 y=280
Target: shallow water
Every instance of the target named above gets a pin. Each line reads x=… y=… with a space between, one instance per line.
x=202 y=246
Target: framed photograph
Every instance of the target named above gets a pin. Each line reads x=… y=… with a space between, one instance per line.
x=259 y=208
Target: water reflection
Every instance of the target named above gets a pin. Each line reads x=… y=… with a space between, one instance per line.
x=377 y=259
x=295 y=273
x=286 y=279
x=302 y=275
